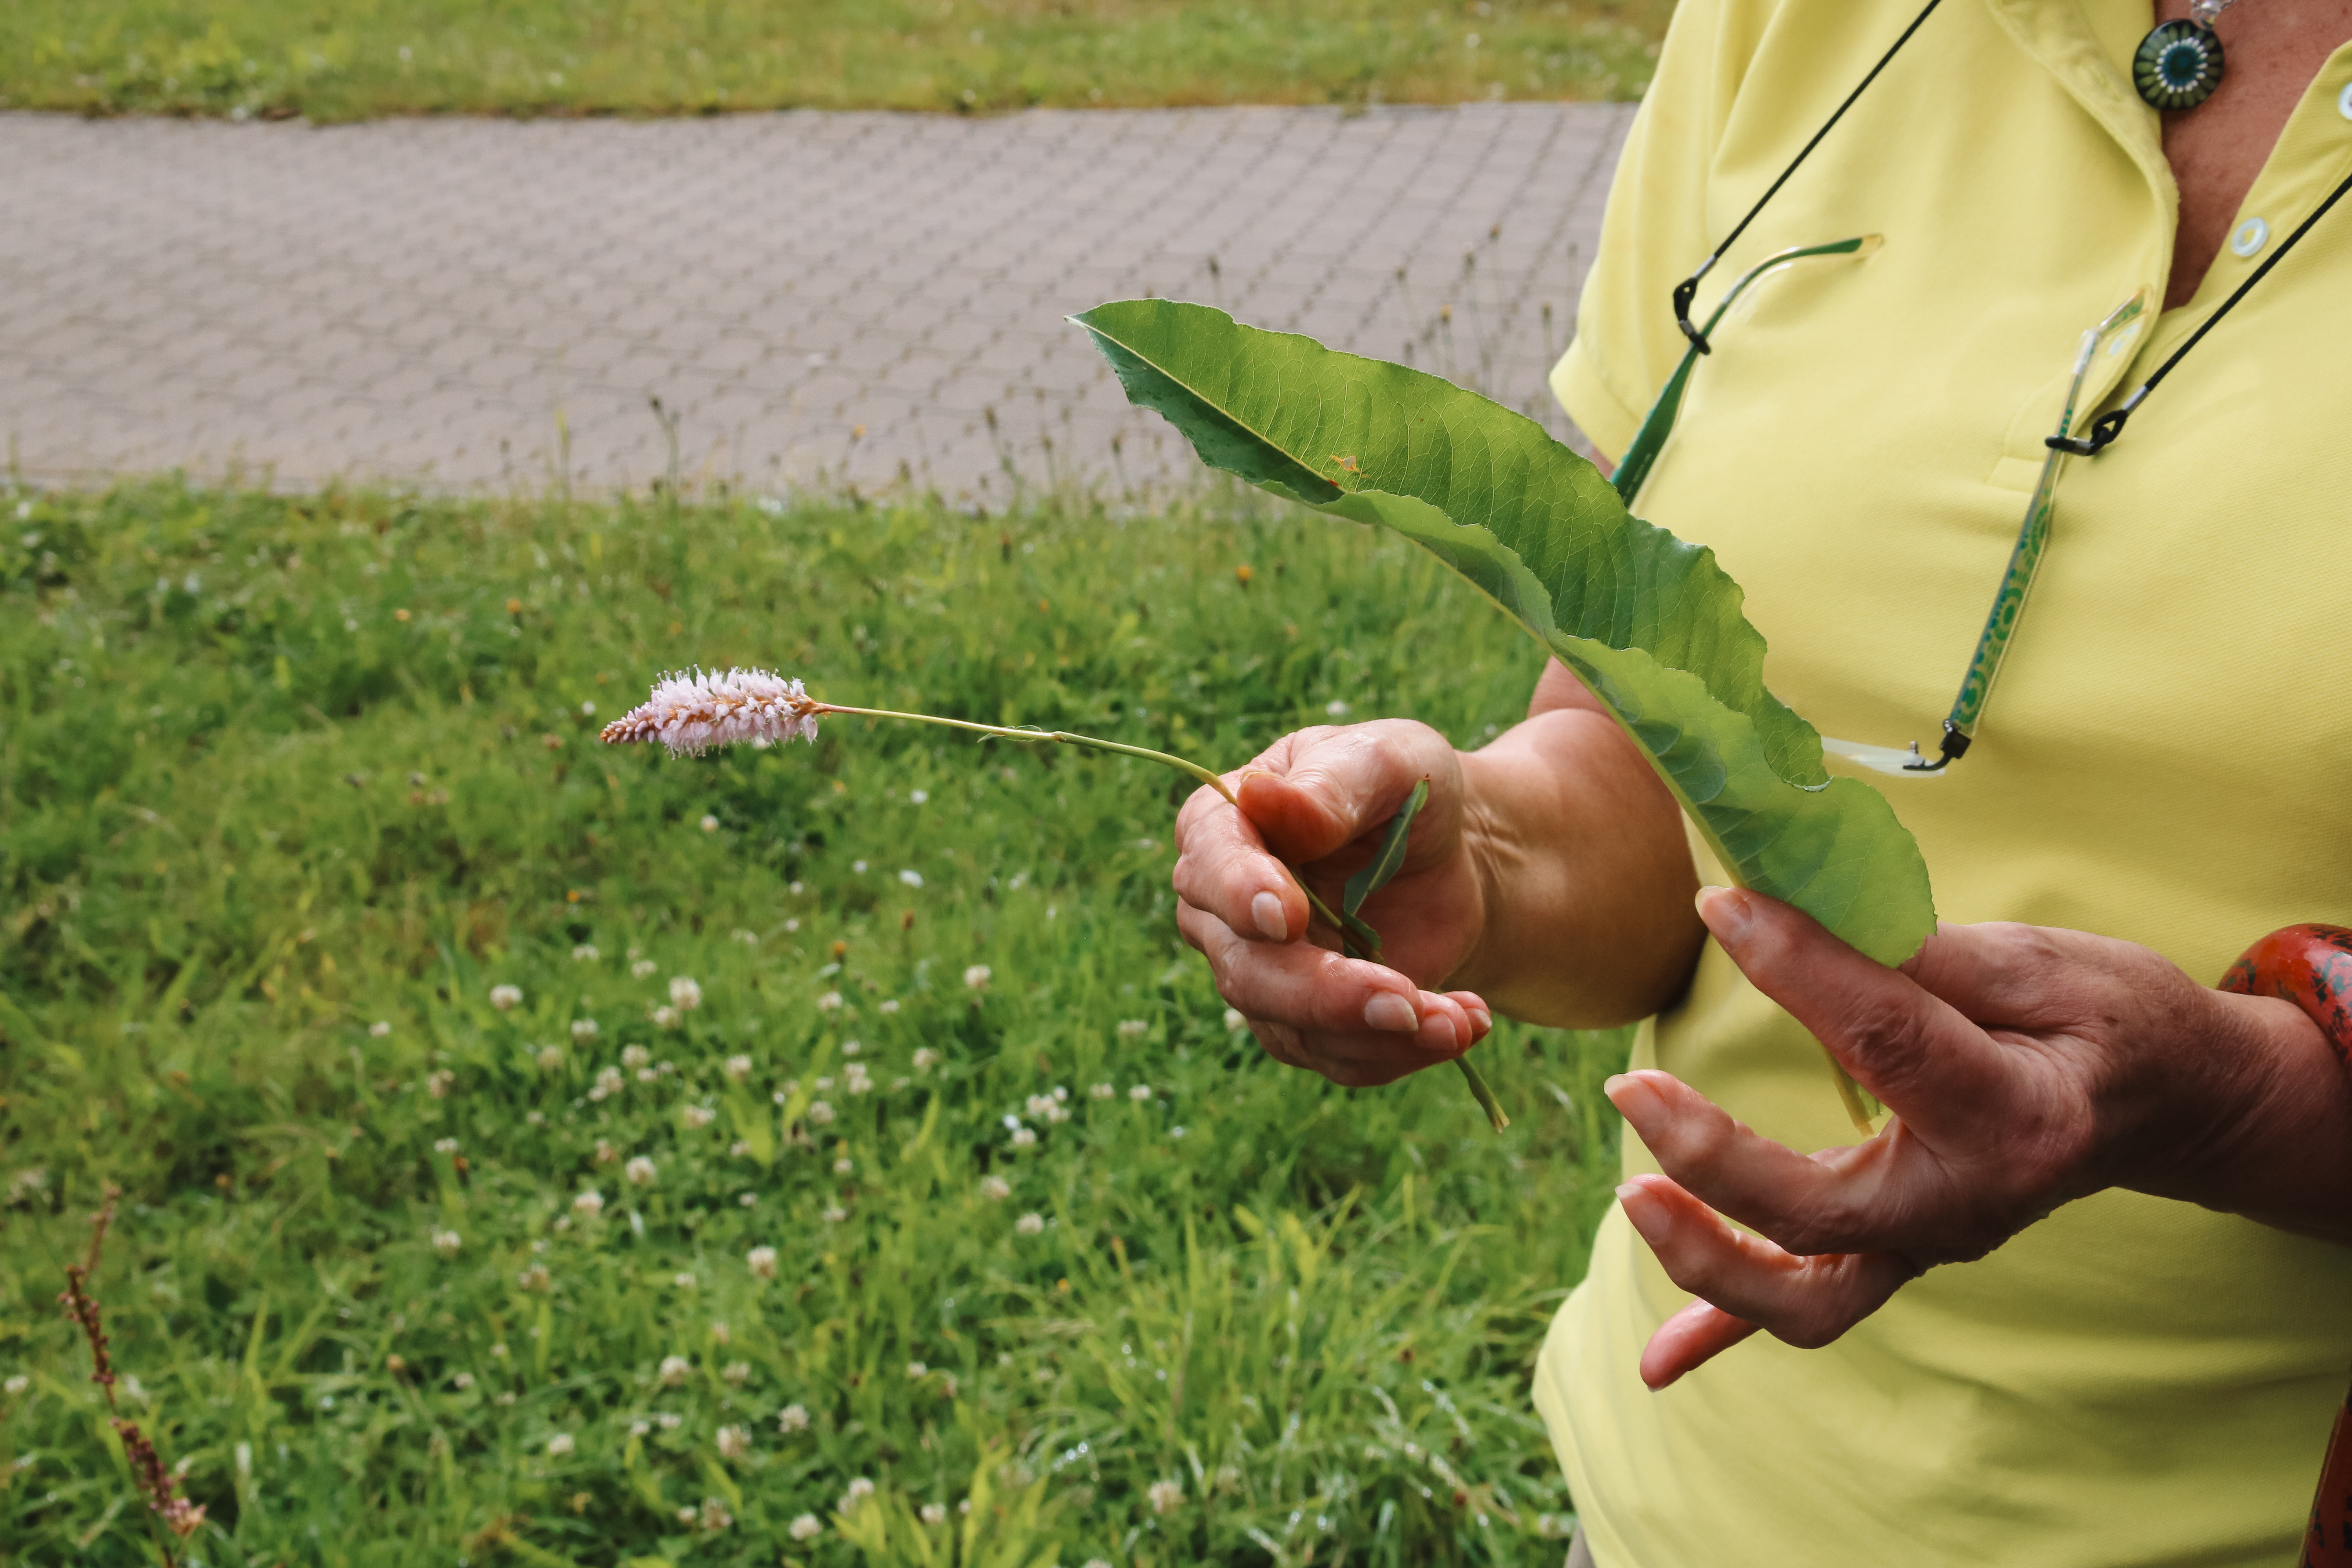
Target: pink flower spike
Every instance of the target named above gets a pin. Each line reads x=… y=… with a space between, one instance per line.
x=692 y=713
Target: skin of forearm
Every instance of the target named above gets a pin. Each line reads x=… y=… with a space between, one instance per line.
x=1586 y=874
x=2282 y=1155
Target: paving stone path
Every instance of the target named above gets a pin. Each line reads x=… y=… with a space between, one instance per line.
x=816 y=299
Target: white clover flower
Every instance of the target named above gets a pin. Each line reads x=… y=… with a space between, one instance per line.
x=646 y=1075
x=738 y=1068
x=834 y=1214
x=820 y=1115
x=550 y=1057
x=448 y=1243
x=995 y=1189
x=640 y=1171
x=1234 y=1022
x=918 y=1369
x=1024 y=1138
x=793 y=1418
x=1105 y=1092
x=668 y=1421
x=1336 y=708
x=715 y=1515
x=936 y=1514
x=640 y=1428
x=642 y=966
x=664 y=1018
x=734 y=1442
x=694 y=712
x=856 y=1080
x=912 y=878
x=685 y=994
x=888 y=1005
x=1166 y=1497
x=438 y=1084
x=860 y=1489
x=858 y=867
x=560 y=1446
x=609 y=1082
x=976 y=977
x=748 y=1200
x=926 y=1058
x=918 y=796
x=584 y=952
x=675 y=1371
x=1130 y=1028
x=1029 y=1224
x=444 y=1145
x=1140 y=1093
x=748 y=938
x=636 y=1056
x=535 y=1278
x=605 y=1153
x=828 y=1002
x=851 y=1048
x=463 y=1381
x=740 y=1147
x=698 y=1117
x=504 y=998
x=682 y=1280
x=379 y=1030
x=843 y=1165
x=737 y=1373
x=804 y=1528
x=499 y=1351
x=589 y=1203
x=721 y=1333
x=900 y=1082
x=762 y=1262
x=710 y=823
x=583 y=1028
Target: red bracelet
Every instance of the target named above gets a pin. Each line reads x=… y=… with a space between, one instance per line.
x=2311 y=967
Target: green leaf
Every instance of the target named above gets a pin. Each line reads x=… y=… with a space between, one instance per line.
x=1649 y=622
x=1375 y=876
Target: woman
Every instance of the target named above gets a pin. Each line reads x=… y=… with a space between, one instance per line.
x=2142 y=1186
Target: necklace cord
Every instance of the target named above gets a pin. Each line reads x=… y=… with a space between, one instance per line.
x=2110 y=425
x=1687 y=289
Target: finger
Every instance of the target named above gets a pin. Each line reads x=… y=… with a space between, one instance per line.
x=1692 y=1337
x=1805 y=1206
x=1473 y=1006
x=1370 y=1021
x=1343 y=784
x=1805 y=1302
x=1941 y=1073
x=1222 y=867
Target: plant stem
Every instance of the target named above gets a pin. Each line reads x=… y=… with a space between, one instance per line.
x=1353 y=932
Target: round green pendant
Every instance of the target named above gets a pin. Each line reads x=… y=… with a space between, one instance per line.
x=2178 y=65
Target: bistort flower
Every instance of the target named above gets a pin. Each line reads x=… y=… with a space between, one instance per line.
x=693 y=712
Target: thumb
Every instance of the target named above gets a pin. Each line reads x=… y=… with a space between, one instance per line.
x=1335 y=786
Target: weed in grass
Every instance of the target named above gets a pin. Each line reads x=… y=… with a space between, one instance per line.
x=539 y=1153
x=275 y=59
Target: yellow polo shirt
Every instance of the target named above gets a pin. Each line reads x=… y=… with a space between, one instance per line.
x=2168 y=757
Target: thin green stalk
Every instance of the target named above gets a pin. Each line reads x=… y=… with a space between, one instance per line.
x=1359 y=936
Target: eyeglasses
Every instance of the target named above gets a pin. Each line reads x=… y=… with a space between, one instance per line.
x=2034 y=534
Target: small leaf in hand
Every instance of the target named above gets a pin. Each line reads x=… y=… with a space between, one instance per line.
x=1383 y=865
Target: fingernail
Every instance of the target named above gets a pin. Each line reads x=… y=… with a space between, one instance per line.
x=1267 y=909
x=1635 y=1100
x=1725 y=912
x=1481 y=1023
x=1437 y=1035
x=1391 y=1014
x=1648 y=1214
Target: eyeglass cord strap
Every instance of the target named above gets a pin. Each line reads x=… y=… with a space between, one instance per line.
x=2110 y=425
x=1687 y=289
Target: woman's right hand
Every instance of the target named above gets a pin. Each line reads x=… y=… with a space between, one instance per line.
x=1320 y=799
x=1548 y=877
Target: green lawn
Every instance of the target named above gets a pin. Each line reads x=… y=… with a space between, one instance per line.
x=352 y=58
x=289 y=787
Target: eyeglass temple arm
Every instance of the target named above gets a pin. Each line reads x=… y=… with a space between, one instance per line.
x=1687 y=289
x=1640 y=453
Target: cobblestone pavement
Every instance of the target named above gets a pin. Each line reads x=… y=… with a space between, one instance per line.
x=817 y=298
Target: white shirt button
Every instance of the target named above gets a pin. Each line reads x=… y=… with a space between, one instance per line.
x=2250 y=237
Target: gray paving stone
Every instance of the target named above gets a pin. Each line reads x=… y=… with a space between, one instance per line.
x=434 y=301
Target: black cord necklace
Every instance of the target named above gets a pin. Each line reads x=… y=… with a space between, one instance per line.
x=2179 y=63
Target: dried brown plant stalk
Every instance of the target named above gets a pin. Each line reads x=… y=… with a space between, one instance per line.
x=173 y=1512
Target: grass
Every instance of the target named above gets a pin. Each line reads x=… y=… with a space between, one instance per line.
x=289 y=786
x=351 y=60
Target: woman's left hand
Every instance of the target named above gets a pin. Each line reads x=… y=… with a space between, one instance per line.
x=2024 y=1067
